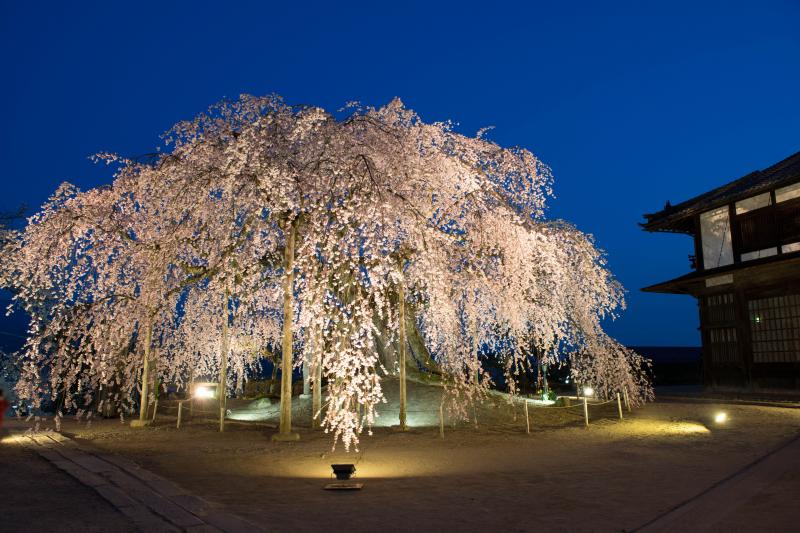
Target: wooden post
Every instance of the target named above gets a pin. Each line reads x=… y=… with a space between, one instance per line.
x=619 y=406
x=306 y=380
x=401 y=296
x=441 y=420
x=627 y=400
x=586 y=411
x=180 y=413
x=155 y=410
x=223 y=362
x=316 y=400
x=191 y=392
x=527 y=420
x=285 y=430
x=145 y=396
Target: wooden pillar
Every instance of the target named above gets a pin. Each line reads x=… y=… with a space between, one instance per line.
x=285 y=430
x=402 y=356
x=316 y=400
x=306 y=380
x=145 y=395
x=223 y=362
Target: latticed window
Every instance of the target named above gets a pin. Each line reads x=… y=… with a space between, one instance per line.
x=723 y=344
x=720 y=318
x=775 y=329
x=719 y=309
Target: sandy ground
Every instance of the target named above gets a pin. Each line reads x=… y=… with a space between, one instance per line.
x=612 y=476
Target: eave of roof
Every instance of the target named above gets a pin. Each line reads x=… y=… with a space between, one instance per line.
x=774 y=268
x=668 y=219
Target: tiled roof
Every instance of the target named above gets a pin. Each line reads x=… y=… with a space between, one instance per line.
x=784 y=172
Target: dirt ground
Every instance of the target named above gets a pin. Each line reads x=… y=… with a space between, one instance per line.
x=611 y=476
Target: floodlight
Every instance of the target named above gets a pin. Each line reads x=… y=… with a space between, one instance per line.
x=721 y=417
x=343 y=472
x=204 y=392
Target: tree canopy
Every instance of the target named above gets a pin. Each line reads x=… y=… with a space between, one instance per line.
x=271 y=218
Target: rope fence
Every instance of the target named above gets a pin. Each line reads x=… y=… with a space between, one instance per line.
x=583 y=404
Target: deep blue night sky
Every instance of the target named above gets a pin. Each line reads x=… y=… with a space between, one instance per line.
x=630 y=105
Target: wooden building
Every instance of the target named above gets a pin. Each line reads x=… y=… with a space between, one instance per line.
x=746 y=277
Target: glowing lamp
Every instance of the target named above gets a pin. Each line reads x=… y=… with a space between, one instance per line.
x=343 y=472
x=204 y=392
x=588 y=391
x=721 y=417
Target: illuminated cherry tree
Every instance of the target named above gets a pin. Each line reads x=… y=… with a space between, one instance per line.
x=267 y=229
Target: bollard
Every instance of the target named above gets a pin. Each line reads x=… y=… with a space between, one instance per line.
x=586 y=411
x=180 y=412
x=527 y=420
x=619 y=406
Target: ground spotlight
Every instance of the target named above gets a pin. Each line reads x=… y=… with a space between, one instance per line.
x=204 y=392
x=588 y=391
x=343 y=472
x=721 y=417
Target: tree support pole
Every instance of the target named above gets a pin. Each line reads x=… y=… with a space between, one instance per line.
x=441 y=420
x=619 y=406
x=223 y=362
x=401 y=296
x=145 y=396
x=527 y=420
x=285 y=431
x=586 y=411
x=316 y=400
x=306 y=380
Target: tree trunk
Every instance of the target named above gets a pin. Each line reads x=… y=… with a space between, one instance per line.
x=285 y=431
x=223 y=362
x=401 y=296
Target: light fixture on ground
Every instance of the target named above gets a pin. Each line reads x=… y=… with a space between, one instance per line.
x=588 y=391
x=343 y=472
x=205 y=391
x=721 y=417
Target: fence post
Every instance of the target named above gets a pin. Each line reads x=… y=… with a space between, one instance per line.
x=441 y=421
x=527 y=420
x=586 y=411
x=619 y=406
x=627 y=400
x=180 y=413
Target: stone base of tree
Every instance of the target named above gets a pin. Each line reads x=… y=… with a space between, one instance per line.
x=286 y=437
x=139 y=423
x=400 y=428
